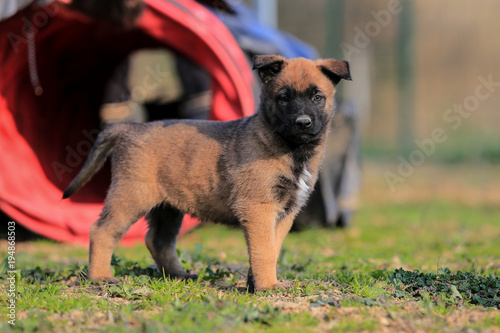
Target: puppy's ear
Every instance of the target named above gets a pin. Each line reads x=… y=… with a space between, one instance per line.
x=335 y=70
x=268 y=66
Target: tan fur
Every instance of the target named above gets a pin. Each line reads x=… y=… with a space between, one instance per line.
x=224 y=172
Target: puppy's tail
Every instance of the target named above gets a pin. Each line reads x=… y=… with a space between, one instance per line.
x=100 y=151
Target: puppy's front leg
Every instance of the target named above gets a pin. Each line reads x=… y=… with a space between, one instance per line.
x=282 y=229
x=259 y=228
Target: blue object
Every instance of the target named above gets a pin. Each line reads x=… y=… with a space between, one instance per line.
x=257 y=38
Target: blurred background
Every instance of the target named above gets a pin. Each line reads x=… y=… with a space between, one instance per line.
x=418 y=122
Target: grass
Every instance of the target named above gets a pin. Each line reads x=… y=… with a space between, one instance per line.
x=363 y=278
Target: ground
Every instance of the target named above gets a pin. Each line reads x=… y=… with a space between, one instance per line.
x=441 y=221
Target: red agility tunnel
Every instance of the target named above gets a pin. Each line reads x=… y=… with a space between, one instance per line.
x=44 y=139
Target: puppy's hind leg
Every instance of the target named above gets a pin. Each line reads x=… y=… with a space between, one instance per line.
x=164 y=224
x=123 y=208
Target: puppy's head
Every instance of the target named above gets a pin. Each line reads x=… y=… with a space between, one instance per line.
x=298 y=94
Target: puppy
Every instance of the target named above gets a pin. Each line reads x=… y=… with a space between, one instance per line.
x=256 y=172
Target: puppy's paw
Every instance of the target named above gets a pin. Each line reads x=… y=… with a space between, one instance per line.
x=104 y=280
x=282 y=285
x=274 y=286
x=180 y=276
x=190 y=277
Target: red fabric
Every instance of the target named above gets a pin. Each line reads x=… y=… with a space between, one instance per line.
x=44 y=140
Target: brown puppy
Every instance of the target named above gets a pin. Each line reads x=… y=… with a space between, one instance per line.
x=256 y=172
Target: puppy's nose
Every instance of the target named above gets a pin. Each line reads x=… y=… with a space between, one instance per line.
x=303 y=122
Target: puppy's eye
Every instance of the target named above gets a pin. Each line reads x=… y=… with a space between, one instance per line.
x=283 y=98
x=317 y=98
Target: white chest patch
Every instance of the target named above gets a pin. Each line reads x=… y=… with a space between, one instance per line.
x=305 y=187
